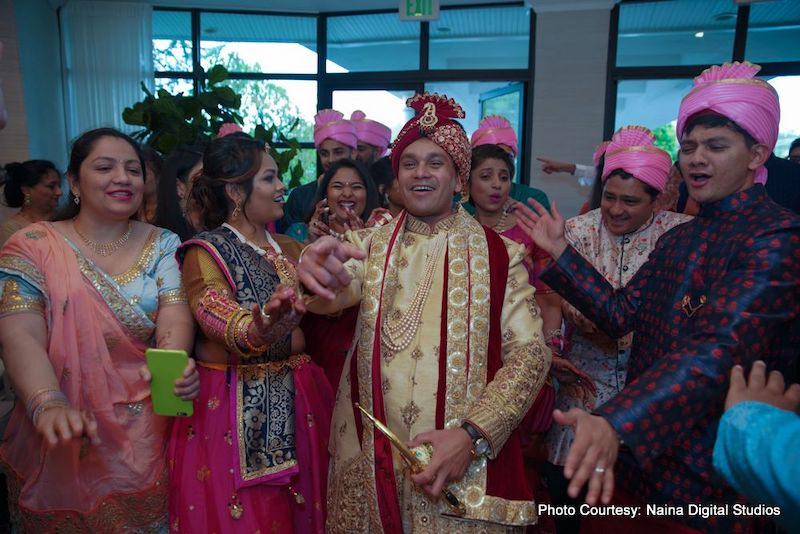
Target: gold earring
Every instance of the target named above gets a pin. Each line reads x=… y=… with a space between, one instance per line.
x=237 y=210
x=77 y=200
x=27 y=201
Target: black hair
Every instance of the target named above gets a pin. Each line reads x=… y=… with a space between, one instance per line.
x=152 y=159
x=25 y=174
x=596 y=194
x=175 y=169
x=649 y=189
x=231 y=159
x=483 y=152
x=712 y=120
x=81 y=148
x=361 y=170
x=383 y=176
x=795 y=144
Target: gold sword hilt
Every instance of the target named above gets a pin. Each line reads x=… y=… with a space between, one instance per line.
x=414 y=463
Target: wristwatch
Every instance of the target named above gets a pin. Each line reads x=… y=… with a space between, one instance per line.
x=480 y=446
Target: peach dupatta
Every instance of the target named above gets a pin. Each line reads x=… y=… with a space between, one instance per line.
x=96 y=340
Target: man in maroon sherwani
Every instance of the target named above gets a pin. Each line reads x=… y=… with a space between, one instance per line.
x=721 y=290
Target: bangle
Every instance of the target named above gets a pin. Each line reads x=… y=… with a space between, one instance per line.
x=43 y=396
x=243 y=336
x=43 y=400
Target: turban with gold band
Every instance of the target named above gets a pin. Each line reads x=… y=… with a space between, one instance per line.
x=733 y=91
x=371 y=132
x=495 y=130
x=434 y=119
x=631 y=149
x=331 y=124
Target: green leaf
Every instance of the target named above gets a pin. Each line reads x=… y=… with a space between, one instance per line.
x=217 y=74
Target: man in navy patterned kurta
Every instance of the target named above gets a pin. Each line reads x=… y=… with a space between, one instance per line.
x=719 y=290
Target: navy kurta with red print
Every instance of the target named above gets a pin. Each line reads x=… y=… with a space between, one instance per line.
x=720 y=290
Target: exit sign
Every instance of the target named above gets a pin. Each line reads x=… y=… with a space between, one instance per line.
x=419 y=9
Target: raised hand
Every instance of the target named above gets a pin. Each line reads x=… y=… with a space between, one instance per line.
x=353 y=221
x=545 y=228
x=321 y=269
x=549 y=166
x=278 y=317
x=316 y=227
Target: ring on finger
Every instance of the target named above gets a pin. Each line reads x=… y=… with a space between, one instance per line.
x=600 y=469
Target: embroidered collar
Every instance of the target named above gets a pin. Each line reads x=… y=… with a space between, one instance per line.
x=418 y=226
x=734 y=202
x=255 y=247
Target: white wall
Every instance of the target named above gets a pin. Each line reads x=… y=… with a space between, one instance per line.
x=569 y=89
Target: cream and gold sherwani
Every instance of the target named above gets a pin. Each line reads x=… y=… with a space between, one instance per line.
x=409 y=375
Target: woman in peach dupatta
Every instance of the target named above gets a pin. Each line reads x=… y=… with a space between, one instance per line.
x=84 y=450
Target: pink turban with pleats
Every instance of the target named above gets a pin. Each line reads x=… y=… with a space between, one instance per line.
x=631 y=149
x=371 y=132
x=733 y=91
x=599 y=152
x=331 y=124
x=495 y=130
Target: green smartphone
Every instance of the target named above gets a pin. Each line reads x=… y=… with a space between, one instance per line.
x=166 y=366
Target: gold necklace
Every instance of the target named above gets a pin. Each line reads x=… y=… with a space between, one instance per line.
x=399 y=331
x=499 y=226
x=105 y=249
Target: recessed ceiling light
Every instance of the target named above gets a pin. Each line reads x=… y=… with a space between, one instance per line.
x=699 y=34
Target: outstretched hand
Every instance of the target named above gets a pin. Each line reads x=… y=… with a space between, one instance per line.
x=547 y=229
x=321 y=269
x=592 y=455
x=549 y=166
x=278 y=317
x=759 y=388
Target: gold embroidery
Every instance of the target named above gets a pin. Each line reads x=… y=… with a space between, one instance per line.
x=25 y=269
x=203 y=473
x=173 y=296
x=142 y=262
x=160 y=282
x=12 y=301
x=213 y=403
x=134 y=321
x=410 y=414
x=35 y=235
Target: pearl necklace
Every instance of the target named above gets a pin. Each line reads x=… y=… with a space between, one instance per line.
x=397 y=334
x=105 y=249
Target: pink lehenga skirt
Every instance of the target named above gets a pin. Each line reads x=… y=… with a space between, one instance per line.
x=205 y=493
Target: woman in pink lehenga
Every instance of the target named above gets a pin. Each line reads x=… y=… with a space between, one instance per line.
x=254 y=455
x=82 y=298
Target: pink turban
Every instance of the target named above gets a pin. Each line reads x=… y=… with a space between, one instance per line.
x=371 y=132
x=434 y=119
x=599 y=152
x=733 y=91
x=495 y=130
x=331 y=124
x=631 y=149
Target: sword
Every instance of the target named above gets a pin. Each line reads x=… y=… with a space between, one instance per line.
x=414 y=463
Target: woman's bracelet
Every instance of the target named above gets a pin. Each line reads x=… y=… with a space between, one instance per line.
x=43 y=400
x=243 y=336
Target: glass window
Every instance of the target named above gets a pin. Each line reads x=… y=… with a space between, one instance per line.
x=788 y=87
x=387 y=107
x=471 y=96
x=308 y=157
x=483 y=38
x=653 y=104
x=773 y=32
x=172 y=41
x=359 y=43
x=259 y=43
x=175 y=85
x=677 y=32
x=278 y=102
